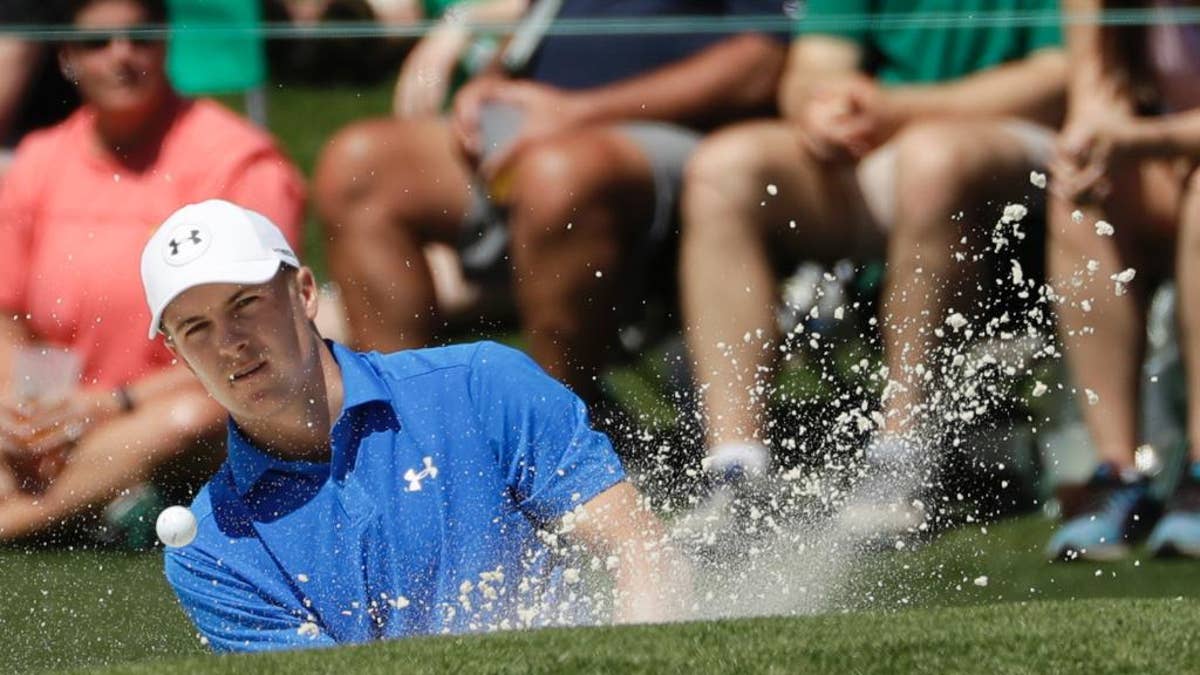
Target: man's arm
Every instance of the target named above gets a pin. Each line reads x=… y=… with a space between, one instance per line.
x=1097 y=82
x=814 y=60
x=653 y=580
x=731 y=79
x=1033 y=88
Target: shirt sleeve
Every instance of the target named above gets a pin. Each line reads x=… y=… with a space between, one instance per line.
x=553 y=459
x=17 y=194
x=817 y=15
x=231 y=614
x=269 y=184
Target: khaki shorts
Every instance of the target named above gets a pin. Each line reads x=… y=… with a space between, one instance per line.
x=875 y=176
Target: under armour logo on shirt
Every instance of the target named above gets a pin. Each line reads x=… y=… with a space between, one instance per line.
x=414 y=478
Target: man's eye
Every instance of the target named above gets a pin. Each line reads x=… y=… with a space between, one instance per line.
x=195 y=329
x=245 y=302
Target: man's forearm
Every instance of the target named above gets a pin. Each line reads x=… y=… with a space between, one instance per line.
x=1033 y=88
x=1097 y=79
x=732 y=79
x=1167 y=136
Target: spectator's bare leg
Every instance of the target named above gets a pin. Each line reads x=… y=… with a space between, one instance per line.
x=1106 y=357
x=117 y=456
x=577 y=205
x=941 y=168
x=384 y=188
x=731 y=226
x=1188 y=302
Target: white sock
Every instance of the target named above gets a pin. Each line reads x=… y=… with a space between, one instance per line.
x=751 y=457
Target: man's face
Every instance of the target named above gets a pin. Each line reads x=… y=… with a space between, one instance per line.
x=116 y=72
x=253 y=347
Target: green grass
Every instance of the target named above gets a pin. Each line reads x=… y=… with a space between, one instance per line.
x=910 y=611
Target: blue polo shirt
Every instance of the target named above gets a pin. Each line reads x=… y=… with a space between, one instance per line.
x=446 y=464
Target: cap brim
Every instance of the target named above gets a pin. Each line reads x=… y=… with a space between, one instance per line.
x=254 y=272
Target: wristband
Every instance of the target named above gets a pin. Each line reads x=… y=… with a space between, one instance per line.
x=124 y=400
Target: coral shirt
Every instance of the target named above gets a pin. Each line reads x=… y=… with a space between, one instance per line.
x=73 y=221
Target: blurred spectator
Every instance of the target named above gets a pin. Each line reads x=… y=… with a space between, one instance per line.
x=1127 y=156
x=33 y=93
x=75 y=209
x=572 y=167
x=344 y=59
x=888 y=131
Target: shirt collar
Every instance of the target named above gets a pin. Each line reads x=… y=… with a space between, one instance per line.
x=361 y=385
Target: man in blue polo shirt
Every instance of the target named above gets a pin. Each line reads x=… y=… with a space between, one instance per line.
x=371 y=496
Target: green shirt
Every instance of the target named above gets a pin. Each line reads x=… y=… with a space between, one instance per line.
x=434 y=9
x=917 y=54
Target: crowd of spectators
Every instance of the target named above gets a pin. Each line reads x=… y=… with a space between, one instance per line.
x=563 y=180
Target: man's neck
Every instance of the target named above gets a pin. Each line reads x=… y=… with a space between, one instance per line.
x=126 y=138
x=301 y=432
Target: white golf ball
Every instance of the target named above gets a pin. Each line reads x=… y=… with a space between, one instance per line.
x=176 y=526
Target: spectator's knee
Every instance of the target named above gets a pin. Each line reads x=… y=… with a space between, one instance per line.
x=553 y=184
x=723 y=165
x=347 y=164
x=933 y=155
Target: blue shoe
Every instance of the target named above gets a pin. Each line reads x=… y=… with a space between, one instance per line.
x=1179 y=532
x=1111 y=513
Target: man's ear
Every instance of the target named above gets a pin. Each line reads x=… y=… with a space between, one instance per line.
x=306 y=287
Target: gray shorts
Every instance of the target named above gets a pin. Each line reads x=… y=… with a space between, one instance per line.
x=483 y=244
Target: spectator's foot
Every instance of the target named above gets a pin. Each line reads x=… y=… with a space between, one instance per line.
x=736 y=512
x=1178 y=533
x=1104 y=517
x=885 y=504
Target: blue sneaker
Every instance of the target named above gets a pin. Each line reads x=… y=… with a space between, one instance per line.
x=1178 y=534
x=1106 y=516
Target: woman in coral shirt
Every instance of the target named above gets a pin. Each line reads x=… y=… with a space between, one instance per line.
x=76 y=207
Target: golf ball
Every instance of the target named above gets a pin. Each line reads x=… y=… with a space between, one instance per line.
x=176 y=526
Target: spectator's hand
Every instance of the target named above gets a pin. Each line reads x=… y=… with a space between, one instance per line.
x=848 y=118
x=58 y=425
x=468 y=106
x=22 y=470
x=545 y=112
x=427 y=71
x=1089 y=150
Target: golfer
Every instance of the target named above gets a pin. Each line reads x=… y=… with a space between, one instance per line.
x=371 y=496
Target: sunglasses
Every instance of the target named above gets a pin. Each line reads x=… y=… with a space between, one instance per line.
x=96 y=41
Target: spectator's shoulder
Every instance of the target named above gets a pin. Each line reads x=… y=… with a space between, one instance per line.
x=45 y=145
x=219 y=125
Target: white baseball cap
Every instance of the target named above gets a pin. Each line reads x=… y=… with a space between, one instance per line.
x=212 y=242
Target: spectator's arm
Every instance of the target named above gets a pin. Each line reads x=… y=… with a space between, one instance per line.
x=728 y=80
x=814 y=59
x=18 y=58
x=1099 y=82
x=653 y=581
x=1033 y=88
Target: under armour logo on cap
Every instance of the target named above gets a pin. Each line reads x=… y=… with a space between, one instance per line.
x=186 y=243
